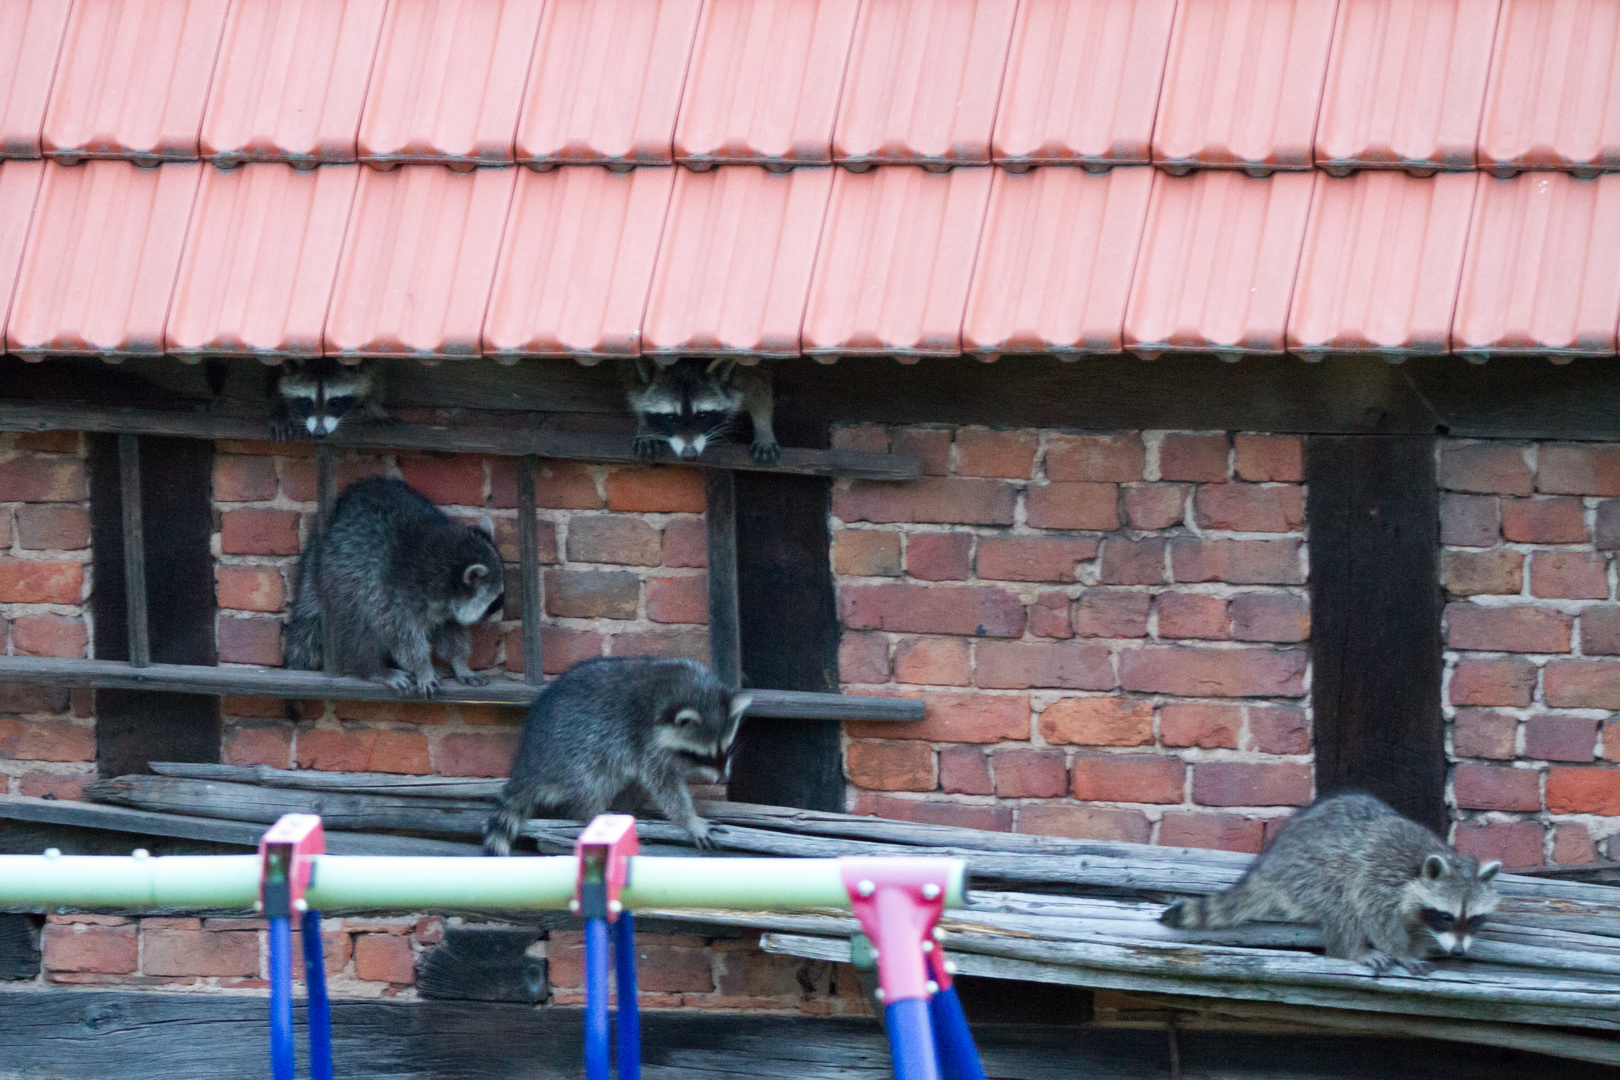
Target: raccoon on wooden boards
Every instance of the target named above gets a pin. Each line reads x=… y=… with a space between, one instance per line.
x=692 y=402
x=313 y=396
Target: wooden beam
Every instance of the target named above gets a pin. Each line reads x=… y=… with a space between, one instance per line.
x=129 y=488
x=725 y=635
x=529 y=568
x=313 y=685
x=325 y=496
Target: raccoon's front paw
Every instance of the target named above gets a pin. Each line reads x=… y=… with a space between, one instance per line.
x=1415 y=967
x=703 y=835
x=766 y=453
x=1380 y=963
x=401 y=681
x=280 y=431
x=426 y=685
x=645 y=447
x=472 y=678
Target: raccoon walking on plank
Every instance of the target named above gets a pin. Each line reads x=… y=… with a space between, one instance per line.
x=609 y=725
x=1385 y=890
x=692 y=402
x=400 y=581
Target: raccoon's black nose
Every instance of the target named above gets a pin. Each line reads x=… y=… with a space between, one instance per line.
x=1459 y=949
x=688 y=451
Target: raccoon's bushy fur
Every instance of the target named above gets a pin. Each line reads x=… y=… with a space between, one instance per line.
x=313 y=396
x=400 y=581
x=1385 y=890
x=692 y=402
x=606 y=726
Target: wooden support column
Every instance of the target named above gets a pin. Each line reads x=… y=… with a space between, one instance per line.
x=129 y=501
x=1373 y=526
x=529 y=567
x=725 y=637
x=325 y=496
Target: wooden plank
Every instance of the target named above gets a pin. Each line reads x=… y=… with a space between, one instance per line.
x=284 y=683
x=529 y=568
x=1373 y=516
x=325 y=496
x=129 y=488
x=720 y=514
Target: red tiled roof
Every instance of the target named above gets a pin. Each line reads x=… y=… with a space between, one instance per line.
x=1356 y=177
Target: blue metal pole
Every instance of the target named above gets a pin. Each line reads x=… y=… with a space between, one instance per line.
x=319 y=1010
x=596 y=1000
x=281 y=1034
x=911 y=1040
x=624 y=958
x=958 y=1056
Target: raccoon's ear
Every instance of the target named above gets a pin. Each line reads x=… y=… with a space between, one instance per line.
x=1489 y=870
x=1434 y=868
x=739 y=703
x=686 y=718
x=646 y=369
x=474 y=573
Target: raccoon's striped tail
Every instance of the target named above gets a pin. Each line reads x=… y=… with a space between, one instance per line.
x=1234 y=907
x=502 y=828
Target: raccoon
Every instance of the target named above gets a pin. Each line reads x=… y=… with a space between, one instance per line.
x=1385 y=890
x=400 y=580
x=693 y=401
x=609 y=725
x=313 y=396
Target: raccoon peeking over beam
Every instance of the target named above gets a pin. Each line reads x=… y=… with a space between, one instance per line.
x=692 y=402
x=1385 y=890
x=313 y=396
x=400 y=580
x=606 y=726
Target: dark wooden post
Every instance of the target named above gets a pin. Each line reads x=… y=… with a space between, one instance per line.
x=129 y=500
x=725 y=636
x=529 y=567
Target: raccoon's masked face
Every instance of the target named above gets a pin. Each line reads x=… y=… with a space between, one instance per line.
x=318 y=404
x=687 y=405
x=704 y=737
x=1450 y=899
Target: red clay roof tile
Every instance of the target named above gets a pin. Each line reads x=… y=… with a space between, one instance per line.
x=19 y=185
x=30 y=41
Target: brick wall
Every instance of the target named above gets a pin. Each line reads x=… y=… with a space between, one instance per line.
x=1529 y=532
x=1107 y=630
x=47 y=736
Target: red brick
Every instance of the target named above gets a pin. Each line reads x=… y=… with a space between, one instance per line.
x=1049 y=616
x=199 y=953
x=1238 y=562
x=1192 y=615
x=1155 y=506
x=1493 y=682
x=1470 y=520
x=1262 y=458
x=1199 y=724
x=931 y=609
x=55 y=442
x=1201 y=458
x=486 y=754
x=1472 y=573
x=484 y=640
x=678 y=599
x=238 y=478
x=1607 y=533
x=50 y=635
x=1131 y=562
x=1108 y=458
x=561 y=648
x=1496 y=787
x=1189 y=671
x=52 y=786
x=558 y=485
x=1487 y=467
x=34 y=581
x=1014 y=665
x=863 y=658
x=1242 y=783
x=1135 y=778
x=336 y=948
x=1033 y=558
x=930 y=446
x=1220 y=832
x=959 y=718
x=983 y=452
x=943 y=500
x=1074 y=506
x=363 y=751
x=964 y=770
x=249 y=641
x=933 y=661
x=257 y=744
x=1572 y=845
x=1084 y=822
x=1544 y=521
x=1098 y=721
x=27 y=477
x=1516 y=843
x=959 y=815
x=613 y=539
x=689 y=644
x=1569 y=575
x=1481 y=733
x=46 y=740
x=5 y=528
x=1030 y=774
x=429 y=930
x=1250 y=507
x=686 y=542
x=1580 y=469
x=102 y=950
x=1572 y=684
x=1266 y=617
x=889 y=766
x=867 y=553
x=446 y=479
x=1507 y=629
x=1279 y=729
x=1560 y=738
x=1583 y=791
x=939 y=556
x=298 y=473
x=869 y=438
x=1111 y=613
x=250 y=588
x=52 y=527
x=652 y=489
x=17 y=697
x=259 y=532
x=592 y=594
x=384 y=958
x=1600 y=631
